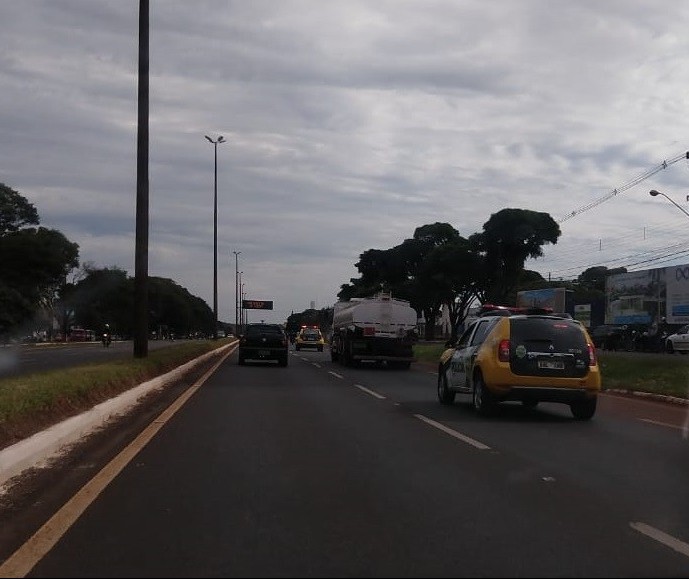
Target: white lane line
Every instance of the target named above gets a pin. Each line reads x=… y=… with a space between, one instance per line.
x=336 y=375
x=457 y=435
x=316 y=364
x=664 y=538
x=660 y=423
x=371 y=392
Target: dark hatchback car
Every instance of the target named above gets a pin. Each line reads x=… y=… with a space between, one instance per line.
x=263 y=342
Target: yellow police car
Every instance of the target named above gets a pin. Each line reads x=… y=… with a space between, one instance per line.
x=309 y=337
x=526 y=356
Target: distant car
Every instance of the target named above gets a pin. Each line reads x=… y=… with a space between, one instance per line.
x=309 y=337
x=529 y=358
x=610 y=337
x=263 y=342
x=679 y=341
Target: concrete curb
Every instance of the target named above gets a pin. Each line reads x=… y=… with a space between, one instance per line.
x=648 y=396
x=39 y=449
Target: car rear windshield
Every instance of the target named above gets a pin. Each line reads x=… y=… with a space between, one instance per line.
x=262 y=330
x=563 y=334
x=310 y=333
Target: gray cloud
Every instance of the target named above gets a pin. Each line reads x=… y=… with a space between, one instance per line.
x=348 y=125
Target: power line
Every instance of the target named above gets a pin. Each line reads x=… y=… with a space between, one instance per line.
x=628 y=185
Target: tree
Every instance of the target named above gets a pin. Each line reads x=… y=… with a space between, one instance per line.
x=106 y=295
x=509 y=238
x=398 y=270
x=454 y=270
x=35 y=260
x=15 y=211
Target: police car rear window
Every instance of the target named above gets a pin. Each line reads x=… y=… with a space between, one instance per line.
x=563 y=334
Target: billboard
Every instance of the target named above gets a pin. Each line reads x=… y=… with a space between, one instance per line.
x=677 y=294
x=643 y=297
x=558 y=299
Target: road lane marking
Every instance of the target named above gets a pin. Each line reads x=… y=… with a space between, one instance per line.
x=457 y=435
x=660 y=423
x=371 y=392
x=23 y=560
x=664 y=538
x=340 y=376
x=316 y=364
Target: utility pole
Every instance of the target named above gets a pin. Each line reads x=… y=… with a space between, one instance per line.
x=141 y=243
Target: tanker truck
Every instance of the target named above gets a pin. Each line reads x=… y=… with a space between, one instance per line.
x=380 y=329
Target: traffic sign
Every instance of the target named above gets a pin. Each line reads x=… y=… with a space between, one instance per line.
x=257 y=304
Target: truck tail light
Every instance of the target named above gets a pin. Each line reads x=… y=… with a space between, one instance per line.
x=504 y=351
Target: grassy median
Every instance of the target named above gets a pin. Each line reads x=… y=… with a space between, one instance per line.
x=35 y=401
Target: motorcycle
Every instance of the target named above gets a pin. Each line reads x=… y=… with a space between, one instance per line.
x=106 y=339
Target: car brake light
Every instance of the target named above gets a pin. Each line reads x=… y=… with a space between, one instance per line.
x=592 y=355
x=504 y=351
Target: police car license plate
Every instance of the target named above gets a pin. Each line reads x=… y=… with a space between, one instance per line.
x=551 y=364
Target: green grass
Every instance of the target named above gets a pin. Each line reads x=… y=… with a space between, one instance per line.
x=35 y=401
x=658 y=374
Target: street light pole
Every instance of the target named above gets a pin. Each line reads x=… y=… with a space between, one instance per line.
x=236 y=291
x=241 y=300
x=220 y=139
x=654 y=193
x=245 y=316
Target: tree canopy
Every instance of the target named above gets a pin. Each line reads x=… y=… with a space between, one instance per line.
x=35 y=260
x=437 y=266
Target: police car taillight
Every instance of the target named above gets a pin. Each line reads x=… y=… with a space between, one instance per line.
x=592 y=355
x=504 y=351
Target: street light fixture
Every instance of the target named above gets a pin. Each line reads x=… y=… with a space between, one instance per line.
x=220 y=139
x=654 y=193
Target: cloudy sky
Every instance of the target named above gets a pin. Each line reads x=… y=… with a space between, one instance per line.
x=348 y=125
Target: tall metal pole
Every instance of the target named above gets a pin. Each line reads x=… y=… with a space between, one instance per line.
x=245 y=314
x=236 y=291
x=220 y=139
x=241 y=300
x=141 y=242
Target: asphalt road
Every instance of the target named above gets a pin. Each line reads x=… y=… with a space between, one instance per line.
x=316 y=470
